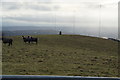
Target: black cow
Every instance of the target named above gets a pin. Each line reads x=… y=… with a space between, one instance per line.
x=29 y=39
x=7 y=40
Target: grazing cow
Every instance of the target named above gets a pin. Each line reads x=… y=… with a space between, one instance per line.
x=7 y=40
x=29 y=39
x=33 y=40
x=25 y=39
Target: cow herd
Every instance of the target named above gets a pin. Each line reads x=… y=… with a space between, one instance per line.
x=28 y=39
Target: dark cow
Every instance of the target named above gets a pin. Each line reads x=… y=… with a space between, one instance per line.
x=33 y=39
x=29 y=39
x=7 y=40
x=25 y=39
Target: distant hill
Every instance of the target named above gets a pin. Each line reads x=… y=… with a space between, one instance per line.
x=88 y=31
x=14 y=28
x=28 y=32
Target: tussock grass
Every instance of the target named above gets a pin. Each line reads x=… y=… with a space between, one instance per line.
x=71 y=55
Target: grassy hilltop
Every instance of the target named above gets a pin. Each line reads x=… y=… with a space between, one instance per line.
x=71 y=55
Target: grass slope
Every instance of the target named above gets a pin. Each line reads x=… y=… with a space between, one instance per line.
x=71 y=55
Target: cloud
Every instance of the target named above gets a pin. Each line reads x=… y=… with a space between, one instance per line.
x=87 y=13
x=10 y=6
x=26 y=5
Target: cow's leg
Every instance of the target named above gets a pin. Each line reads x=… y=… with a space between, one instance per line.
x=9 y=44
x=29 y=42
x=36 y=41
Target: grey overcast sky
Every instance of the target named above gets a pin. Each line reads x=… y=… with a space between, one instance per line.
x=62 y=12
